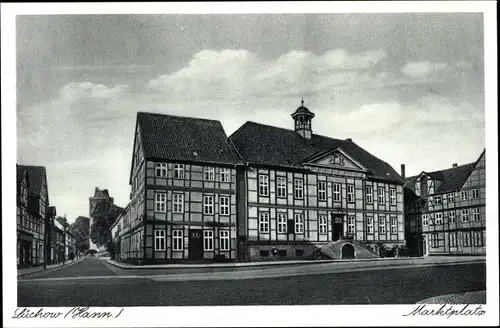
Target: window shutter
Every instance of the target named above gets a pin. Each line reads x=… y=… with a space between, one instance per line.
x=291 y=225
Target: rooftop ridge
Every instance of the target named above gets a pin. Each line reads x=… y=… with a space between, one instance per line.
x=292 y=130
x=178 y=116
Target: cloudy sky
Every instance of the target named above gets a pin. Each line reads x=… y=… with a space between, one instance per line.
x=407 y=87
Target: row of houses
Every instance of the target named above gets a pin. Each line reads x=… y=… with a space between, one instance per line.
x=266 y=192
x=41 y=238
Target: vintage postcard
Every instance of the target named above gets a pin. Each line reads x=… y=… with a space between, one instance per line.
x=250 y=164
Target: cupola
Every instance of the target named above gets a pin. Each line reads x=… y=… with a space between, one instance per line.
x=303 y=117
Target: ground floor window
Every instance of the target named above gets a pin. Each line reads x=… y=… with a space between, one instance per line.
x=322 y=224
x=434 y=240
x=466 y=238
x=351 y=224
x=160 y=240
x=208 y=240
x=282 y=223
x=478 y=238
x=453 y=239
x=177 y=240
x=299 y=223
x=224 y=240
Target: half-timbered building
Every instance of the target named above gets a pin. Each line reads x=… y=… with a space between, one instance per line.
x=32 y=202
x=299 y=191
x=183 y=192
x=446 y=210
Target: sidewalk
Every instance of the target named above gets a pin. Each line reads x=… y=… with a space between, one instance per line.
x=360 y=262
x=27 y=271
x=478 y=297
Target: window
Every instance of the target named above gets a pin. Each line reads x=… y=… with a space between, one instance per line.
x=475 y=194
x=282 y=252
x=451 y=217
x=394 y=225
x=466 y=238
x=413 y=224
x=161 y=170
x=177 y=240
x=350 y=193
x=224 y=240
x=434 y=240
x=323 y=228
x=425 y=220
x=178 y=203
x=225 y=175
x=476 y=214
x=478 y=238
x=263 y=222
x=465 y=215
x=369 y=224
x=322 y=190
x=381 y=224
x=369 y=194
x=209 y=173
x=336 y=192
x=451 y=198
x=224 y=205
x=160 y=202
x=263 y=253
x=351 y=225
x=438 y=218
x=282 y=225
x=299 y=188
x=299 y=252
x=299 y=223
x=463 y=195
x=159 y=240
x=208 y=240
x=453 y=239
x=208 y=204
x=263 y=185
x=393 y=196
x=438 y=200
x=381 y=195
x=281 y=182
x=179 y=171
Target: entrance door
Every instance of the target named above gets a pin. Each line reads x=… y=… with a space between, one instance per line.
x=195 y=244
x=348 y=252
x=337 y=226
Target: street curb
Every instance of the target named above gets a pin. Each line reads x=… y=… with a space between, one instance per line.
x=42 y=270
x=268 y=264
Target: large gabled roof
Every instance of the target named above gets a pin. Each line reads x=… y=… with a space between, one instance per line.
x=452 y=178
x=270 y=145
x=180 y=138
x=37 y=176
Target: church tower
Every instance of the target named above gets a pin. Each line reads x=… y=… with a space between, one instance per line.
x=303 y=118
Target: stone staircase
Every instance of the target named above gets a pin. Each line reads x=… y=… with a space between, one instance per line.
x=333 y=250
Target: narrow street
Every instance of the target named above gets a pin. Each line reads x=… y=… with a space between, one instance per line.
x=93 y=282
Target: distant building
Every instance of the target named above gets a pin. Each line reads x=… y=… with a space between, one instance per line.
x=33 y=199
x=446 y=210
x=100 y=195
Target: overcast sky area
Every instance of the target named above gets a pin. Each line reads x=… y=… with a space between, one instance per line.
x=409 y=88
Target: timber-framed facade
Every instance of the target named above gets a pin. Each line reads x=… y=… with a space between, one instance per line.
x=183 y=199
x=446 y=210
x=301 y=191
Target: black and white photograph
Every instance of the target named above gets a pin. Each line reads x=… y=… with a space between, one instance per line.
x=250 y=164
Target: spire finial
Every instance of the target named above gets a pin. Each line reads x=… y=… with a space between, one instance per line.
x=302 y=101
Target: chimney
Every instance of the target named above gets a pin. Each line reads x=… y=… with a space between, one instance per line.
x=455 y=165
x=348 y=140
x=403 y=170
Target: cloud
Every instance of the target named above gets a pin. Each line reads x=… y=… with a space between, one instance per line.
x=119 y=68
x=233 y=73
x=422 y=68
x=87 y=90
